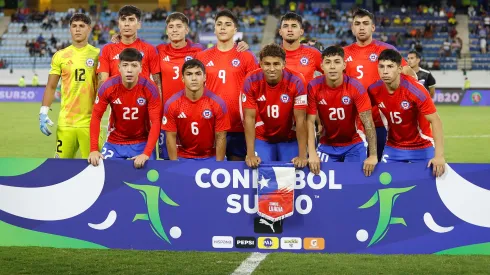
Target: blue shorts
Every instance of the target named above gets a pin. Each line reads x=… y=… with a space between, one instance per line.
x=199 y=159
x=381 y=134
x=124 y=151
x=236 y=144
x=351 y=153
x=391 y=155
x=162 y=145
x=281 y=151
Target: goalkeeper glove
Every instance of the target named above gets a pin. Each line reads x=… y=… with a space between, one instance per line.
x=44 y=120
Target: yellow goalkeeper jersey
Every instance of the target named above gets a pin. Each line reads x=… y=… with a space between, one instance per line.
x=77 y=68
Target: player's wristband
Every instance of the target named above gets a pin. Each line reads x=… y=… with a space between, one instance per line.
x=44 y=110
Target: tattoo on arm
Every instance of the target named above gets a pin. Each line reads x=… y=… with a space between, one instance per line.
x=367 y=121
x=158 y=82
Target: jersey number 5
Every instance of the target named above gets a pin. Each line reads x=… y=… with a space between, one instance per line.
x=130 y=113
x=361 y=73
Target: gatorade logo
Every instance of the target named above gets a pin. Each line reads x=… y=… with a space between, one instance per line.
x=314 y=243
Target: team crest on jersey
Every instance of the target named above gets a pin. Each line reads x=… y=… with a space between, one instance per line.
x=187 y=58
x=90 y=62
x=164 y=120
x=142 y=54
x=235 y=62
x=97 y=99
x=346 y=100
x=244 y=98
x=284 y=98
x=141 y=101
x=207 y=114
x=405 y=105
x=373 y=57
x=304 y=61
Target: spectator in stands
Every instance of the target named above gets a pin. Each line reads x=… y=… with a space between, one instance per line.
x=24 y=29
x=483 y=45
x=436 y=65
x=456 y=47
x=486 y=21
x=53 y=40
x=452 y=21
x=35 y=80
x=403 y=9
x=385 y=22
x=446 y=48
x=22 y=81
x=418 y=46
x=397 y=21
x=471 y=11
x=255 y=39
x=384 y=37
x=442 y=13
x=407 y=21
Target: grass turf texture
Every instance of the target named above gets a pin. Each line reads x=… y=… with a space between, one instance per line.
x=466 y=129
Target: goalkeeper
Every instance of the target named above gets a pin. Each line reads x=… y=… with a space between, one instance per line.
x=76 y=66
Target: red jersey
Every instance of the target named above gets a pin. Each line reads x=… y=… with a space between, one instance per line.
x=195 y=122
x=362 y=63
x=275 y=105
x=132 y=111
x=305 y=60
x=171 y=61
x=225 y=73
x=403 y=112
x=338 y=109
x=109 y=58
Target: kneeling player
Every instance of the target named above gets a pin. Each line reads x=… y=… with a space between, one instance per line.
x=136 y=106
x=197 y=116
x=339 y=100
x=277 y=94
x=408 y=110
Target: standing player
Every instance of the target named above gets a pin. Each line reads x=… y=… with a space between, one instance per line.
x=75 y=65
x=300 y=58
x=129 y=19
x=197 y=116
x=409 y=111
x=339 y=100
x=136 y=109
x=362 y=63
x=226 y=69
x=277 y=96
x=424 y=76
x=172 y=56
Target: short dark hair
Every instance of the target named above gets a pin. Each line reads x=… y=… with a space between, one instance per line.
x=193 y=63
x=273 y=50
x=333 y=51
x=390 y=55
x=129 y=10
x=130 y=55
x=229 y=14
x=291 y=16
x=363 y=12
x=417 y=54
x=177 y=16
x=81 y=17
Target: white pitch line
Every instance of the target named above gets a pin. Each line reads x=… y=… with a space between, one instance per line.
x=473 y=136
x=250 y=264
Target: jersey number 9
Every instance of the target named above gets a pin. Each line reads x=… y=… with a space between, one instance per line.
x=222 y=75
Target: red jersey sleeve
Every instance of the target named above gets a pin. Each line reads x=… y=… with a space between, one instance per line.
x=154 y=60
x=311 y=110
x=301 y=98
x=423 y=100
x=360 y=95
x=222 y=118
x=154 y=111
x=104 y=65
x=168 y=120
x=249 y=90
x=100 y=105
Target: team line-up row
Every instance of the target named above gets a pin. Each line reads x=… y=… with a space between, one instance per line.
x=221 y=103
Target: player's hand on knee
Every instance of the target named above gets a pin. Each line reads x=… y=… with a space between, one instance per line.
x=314 y=163
x=369 y=165
x=140 y=160
x=252 y=161
x=299 y=162
x=94 y=157
x=438 y=166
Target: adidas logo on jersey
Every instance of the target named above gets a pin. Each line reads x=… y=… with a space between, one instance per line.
x=262 y=98
x=116 y=57
x=210 y=64
x=381 y=105
x=117 y=101
x=166 y=58
x=349 y=59
x=322 y=102
x=182 y=115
